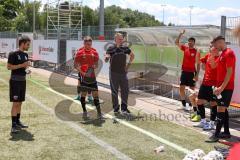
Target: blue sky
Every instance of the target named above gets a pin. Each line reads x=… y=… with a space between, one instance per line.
x=177 y=11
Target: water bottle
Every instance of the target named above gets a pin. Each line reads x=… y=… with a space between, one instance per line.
x=159 y=149
x=28 y=71
x=218 y=96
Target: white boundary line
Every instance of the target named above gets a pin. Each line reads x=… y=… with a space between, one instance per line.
x=145 y=132
x=80 y=130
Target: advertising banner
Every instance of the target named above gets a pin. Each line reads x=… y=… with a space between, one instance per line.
x=7 y=45
x=45 y=50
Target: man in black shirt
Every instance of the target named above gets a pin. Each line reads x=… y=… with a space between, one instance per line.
x=118 y=72
x=18 y=63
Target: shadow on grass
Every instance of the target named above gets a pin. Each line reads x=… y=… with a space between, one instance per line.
x=23 y=135
x=94 y=122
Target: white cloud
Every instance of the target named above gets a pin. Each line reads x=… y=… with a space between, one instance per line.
x=174 y=14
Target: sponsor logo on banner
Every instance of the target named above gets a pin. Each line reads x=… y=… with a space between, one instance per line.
x=45 y=51
x=4 y=45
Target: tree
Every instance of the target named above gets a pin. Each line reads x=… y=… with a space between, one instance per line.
x=90 y=17
x=8 y=11
x=127 y=17
x=24 y=21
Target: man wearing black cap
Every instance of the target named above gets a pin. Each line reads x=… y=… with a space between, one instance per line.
x=225 y=65
x=17 y=63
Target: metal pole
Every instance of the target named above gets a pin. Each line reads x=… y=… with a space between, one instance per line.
x=58 y=27
x=191 y=7
x=70 y=20
x=101 y=18
x=81 y=20
x=34 y=19
x=47 y=18
x=163 y=5
x=223 y=26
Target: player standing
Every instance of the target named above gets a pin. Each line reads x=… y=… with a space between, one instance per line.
x=206 y=90
x=17 y=63
x=190 y=66
x=225 y=65
x=86 y=61
x=118 y=72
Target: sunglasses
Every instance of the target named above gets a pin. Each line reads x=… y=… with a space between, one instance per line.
x=87 y=40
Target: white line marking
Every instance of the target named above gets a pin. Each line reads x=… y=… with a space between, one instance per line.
x=77 y=128
x=162 y=140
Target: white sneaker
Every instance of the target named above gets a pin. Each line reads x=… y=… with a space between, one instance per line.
x=201 y=124
x=188 y=107
x=209 y=126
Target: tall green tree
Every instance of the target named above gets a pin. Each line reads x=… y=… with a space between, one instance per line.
x=8 y=12
x=24 y=21
x=129 y=18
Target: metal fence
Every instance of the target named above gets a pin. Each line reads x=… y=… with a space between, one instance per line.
x=93 y=31
x=8 y=34
x=230 y=24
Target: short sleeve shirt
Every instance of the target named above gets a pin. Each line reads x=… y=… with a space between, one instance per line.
x=189 y=59
x=15 y=58
x=118 y=58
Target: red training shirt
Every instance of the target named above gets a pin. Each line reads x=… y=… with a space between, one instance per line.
x=225 y=60
x=210 y=75
x=189 y=58
x=86 y=59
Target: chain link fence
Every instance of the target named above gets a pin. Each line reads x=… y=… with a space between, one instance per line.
x=93 y=31
x=8 y=34
x=232 y=23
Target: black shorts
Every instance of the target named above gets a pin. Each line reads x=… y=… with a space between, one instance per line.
x=17 y=91
x=226 y=98
x=187 y=79
x=88 y=84
x=79 y=77
x=206 y=93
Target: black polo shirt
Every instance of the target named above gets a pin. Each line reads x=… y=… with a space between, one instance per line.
x=118 y=58
x=15 y=58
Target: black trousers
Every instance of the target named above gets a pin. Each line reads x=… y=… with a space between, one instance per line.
x=119 y=81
